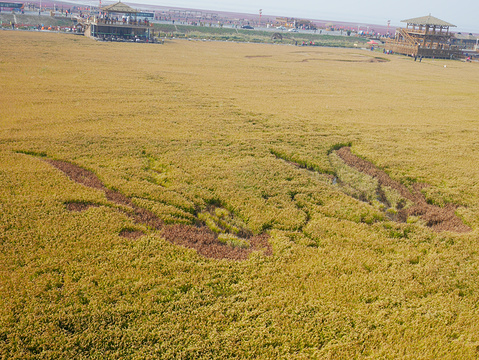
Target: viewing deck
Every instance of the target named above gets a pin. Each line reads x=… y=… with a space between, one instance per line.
x=112 y=26
x=114 y=22
x=424 y=37
x=118 y=29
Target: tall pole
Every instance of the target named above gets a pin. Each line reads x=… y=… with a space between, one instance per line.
x=260 y=13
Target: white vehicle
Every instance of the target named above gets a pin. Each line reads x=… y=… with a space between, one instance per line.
x=281 y=28
x=293 y=30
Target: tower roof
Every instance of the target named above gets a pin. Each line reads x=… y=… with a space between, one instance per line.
x=428 y=20
x=119 y=7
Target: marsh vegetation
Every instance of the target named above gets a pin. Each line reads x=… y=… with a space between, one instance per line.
x=120 y=163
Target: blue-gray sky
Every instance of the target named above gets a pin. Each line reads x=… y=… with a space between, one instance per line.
x=464 y=14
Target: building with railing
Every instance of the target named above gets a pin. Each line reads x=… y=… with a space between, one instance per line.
x=425 y=36
x=118 y=22
x=466 y=42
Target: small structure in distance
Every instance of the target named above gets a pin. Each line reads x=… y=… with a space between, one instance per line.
x=425 y=36
x=117 y=22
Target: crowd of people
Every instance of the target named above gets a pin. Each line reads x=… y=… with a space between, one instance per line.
x=125 y=19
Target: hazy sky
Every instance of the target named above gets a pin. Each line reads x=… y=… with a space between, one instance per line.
x=464 y=14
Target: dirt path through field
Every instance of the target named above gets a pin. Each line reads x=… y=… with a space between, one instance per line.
x=437 y=218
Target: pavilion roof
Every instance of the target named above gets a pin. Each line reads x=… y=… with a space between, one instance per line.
x=119 y=7
x=466 y=37
x=428 y=20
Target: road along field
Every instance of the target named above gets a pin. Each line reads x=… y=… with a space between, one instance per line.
x=215 y=200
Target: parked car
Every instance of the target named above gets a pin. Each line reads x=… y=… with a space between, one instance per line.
x=293 y=30
x=281 y=28
x=247 y=27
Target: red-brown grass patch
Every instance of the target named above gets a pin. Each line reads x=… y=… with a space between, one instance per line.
x=206 y=243
x=131 y=234
x=202 y=239
x=437 y=218
x=79 y=206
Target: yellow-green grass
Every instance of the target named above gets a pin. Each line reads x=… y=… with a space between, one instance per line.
x=189 y=124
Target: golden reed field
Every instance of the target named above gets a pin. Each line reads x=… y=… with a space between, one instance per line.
x=209 y=200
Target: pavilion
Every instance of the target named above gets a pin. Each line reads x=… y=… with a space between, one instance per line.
x=425 y=36
x=117 y=22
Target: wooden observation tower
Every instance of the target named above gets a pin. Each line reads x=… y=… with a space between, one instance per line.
x=425 y=36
